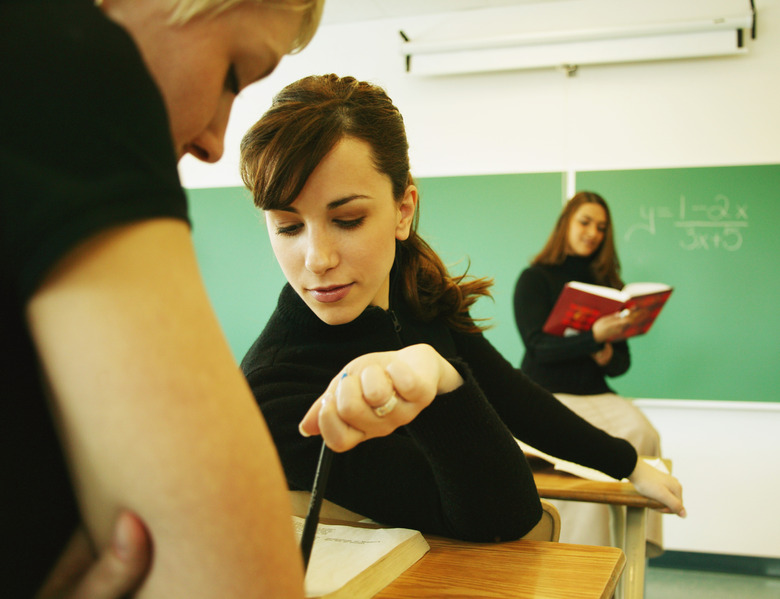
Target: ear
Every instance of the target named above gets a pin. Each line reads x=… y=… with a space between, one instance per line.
x=406 y=209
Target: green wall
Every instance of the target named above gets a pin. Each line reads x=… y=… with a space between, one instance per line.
x=710 y=232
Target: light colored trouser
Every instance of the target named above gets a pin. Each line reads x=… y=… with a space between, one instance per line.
x=588 y=523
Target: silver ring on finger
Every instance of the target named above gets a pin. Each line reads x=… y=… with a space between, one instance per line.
x=387 y=407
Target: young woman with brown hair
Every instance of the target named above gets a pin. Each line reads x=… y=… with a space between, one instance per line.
x=372 y=346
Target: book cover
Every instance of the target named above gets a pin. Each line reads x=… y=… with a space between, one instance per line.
x=354 y=560
x=581 y=304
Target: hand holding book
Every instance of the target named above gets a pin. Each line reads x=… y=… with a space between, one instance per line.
x=613 y=327
x=620 y=313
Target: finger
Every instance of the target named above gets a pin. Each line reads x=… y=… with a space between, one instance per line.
x=122 y=567
x=406 y=382
x=357 y=413
x=678 y=495
x=309 y=424
x=350 y=404
x=376 y=386
x=337 y=434
x=671 y=497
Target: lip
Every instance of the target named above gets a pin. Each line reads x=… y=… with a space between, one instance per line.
x=328 y=295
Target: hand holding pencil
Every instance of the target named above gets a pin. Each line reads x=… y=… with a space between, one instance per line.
x=378 y=392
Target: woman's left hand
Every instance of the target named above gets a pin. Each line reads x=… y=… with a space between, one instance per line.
x=663 y=487
x=378 y=392
x=604 y=355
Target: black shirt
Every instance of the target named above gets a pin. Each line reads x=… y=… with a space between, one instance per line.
x=84 y=145
x=455 y=470
x=561 y=364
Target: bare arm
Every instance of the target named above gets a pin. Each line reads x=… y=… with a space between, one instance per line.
x=156 y=418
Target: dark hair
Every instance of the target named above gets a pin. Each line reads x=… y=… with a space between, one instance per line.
x=605 y=264
x=306 y=120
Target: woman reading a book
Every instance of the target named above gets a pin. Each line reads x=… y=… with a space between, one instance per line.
x=372 y=346
x=581 y=248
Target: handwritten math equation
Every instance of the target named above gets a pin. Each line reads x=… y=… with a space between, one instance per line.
x=718 y=225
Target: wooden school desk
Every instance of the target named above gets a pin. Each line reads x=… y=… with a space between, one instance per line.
x=628 y=530
x=524 y=569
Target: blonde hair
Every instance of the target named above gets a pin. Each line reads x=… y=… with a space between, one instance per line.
x=186 y=10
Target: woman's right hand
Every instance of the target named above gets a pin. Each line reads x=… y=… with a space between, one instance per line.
x=612 y=326
x=346 y=414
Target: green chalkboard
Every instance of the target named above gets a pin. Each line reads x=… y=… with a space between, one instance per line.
x=238 y=266
x=462 y=217
x=710 y=232
x=492 y=224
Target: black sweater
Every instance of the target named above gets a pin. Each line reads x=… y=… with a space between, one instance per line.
x=561 y=364
x=455 y=470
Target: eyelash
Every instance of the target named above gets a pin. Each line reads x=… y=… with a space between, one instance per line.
x=350 y=224
x=293 y=230
x=586 y=223
x=231 y=81
x=288 y=231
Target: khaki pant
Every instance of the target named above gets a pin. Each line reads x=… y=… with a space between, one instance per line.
x=588 y=523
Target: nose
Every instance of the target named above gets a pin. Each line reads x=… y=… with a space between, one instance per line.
x=321 y=254
x=209 y=144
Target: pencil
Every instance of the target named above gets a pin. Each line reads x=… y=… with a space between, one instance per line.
x=313 y=515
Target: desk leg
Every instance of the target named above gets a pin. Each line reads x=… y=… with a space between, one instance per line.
x=633 y=579
x=617 y=534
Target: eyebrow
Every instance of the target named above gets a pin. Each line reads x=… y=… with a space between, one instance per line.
x=597 y=221
x=331 y=205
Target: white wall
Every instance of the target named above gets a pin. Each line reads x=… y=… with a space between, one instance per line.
x=719 y=111
x=706 y=112
x=726 y=455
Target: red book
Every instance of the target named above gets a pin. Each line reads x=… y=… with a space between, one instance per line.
x=581 y=304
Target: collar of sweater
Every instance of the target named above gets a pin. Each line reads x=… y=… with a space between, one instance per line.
x=295 y=311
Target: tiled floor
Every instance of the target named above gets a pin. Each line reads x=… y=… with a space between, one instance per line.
x=670 y=583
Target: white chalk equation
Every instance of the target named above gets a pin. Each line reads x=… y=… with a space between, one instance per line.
x=719 y=225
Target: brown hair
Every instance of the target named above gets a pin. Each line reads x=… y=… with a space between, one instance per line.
x=305 y=121
x=605 y=265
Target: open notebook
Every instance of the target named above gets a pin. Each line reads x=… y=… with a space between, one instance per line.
x=354 y=560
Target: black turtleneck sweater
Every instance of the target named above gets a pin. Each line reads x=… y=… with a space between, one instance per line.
x=456 y=469
x=561 y=364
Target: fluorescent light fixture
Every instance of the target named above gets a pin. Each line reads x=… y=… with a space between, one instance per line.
x=580 y=32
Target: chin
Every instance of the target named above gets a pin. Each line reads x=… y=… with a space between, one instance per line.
x=585 y=252
x=333 y=317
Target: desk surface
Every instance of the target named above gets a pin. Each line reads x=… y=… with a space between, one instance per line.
x=524 y=569
x=554 y=484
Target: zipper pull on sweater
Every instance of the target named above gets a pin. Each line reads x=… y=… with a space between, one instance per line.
x=396 y=324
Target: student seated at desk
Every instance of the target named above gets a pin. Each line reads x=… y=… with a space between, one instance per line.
x=372 y=345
